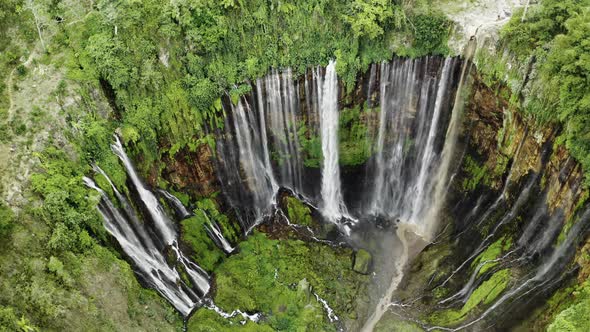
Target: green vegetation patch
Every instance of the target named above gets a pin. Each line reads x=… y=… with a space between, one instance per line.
x=475 y=174
x=203 y=250
x=354 y=147
x=230 y=230
x=485 y=294
x=391 y=322
x=298 y=212
x=6 y=222
x=205 y=320
x=491 y=253
x=362 y=261
x=278 y=279
x=554 y=34
x=576 y=316
x=311 y=146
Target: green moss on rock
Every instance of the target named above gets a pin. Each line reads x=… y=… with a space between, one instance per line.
x=354 y=147
x=391 y=322
x=475 y=174
x=311 y=147
x=492 y=252
x=203 y=249
x=362 y=261
x=298 y=212
x=485 y=294
x=576 y=315
x=276 y=278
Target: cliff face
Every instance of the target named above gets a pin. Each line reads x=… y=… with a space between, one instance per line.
x=513 y=208
x=192 y=172
x=497 y=131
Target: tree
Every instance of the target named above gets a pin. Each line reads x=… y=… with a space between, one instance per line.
x=39 y=17
x=367 y=17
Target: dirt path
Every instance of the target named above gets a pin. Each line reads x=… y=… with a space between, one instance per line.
x=10 y=84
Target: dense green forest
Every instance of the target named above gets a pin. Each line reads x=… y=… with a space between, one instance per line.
x=155 y=73
x=554 y=39
x=163 y=68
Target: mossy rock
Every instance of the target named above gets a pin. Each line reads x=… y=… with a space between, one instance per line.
x=298 y=212
x=362 y=261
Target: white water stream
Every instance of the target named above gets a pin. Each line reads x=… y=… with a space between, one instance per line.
x=332 y=207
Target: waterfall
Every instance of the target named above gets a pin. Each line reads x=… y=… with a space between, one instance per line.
x=164 y=226
x=212 y=227
x=216 y=235
x=549 y=271
x=332 y=205
x=148 y=261
x=410 y=162
x=429 y=156
x=442 y=177
x=144 y=244
x=259 y=150
x=259 y=177
x=415 y=99
x=412 y=139
x=176 y=203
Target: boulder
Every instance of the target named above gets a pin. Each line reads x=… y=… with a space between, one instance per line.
x=362 y=261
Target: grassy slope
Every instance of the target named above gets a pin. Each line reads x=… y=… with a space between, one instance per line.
x=87 y=288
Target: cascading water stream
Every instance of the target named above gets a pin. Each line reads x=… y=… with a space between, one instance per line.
x=141 y=247
x=164 y=226
x=149 y=262
x=549 y=270
x=260 y=146
x=422 y=186
x=176 y=204
x=412 y=182
x=332 y=207
x=212 y=227
x=415 y=96
x=216 y=235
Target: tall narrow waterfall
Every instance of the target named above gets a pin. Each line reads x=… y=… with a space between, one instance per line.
x=415 y=97
x=332 y=204
x=164 y=226
x=145 y=243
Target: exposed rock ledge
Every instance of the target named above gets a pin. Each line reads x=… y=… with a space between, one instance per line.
x=483 y=18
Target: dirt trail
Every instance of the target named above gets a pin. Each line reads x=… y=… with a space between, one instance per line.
x=10 y=84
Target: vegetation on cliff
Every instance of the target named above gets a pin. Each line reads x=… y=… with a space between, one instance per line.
x=280 y=279
x=551 y=43
x=166 y=66
x=163 y=69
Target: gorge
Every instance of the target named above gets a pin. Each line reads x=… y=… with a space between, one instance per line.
x=296 y=166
